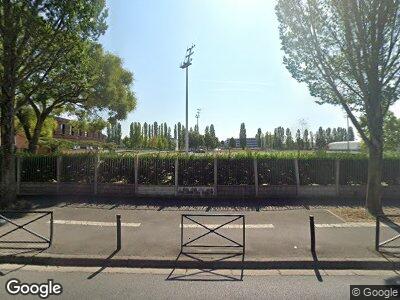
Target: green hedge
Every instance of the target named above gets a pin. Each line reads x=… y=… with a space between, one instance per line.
x=273 y=168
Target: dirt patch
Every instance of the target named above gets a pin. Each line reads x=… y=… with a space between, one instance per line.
x=359 y=214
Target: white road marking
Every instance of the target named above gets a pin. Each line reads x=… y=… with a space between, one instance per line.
x=353 y=225
x=92 y=223
x=335 y=215
x=230 y=226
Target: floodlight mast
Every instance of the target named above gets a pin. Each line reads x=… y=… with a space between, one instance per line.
x=185 y=65
x=197 y=117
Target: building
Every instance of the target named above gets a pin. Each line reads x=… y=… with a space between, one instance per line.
x=66 y=131
x=352 y=146
x=250 y=143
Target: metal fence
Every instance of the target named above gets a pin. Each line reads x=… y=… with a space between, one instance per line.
x=90 y=170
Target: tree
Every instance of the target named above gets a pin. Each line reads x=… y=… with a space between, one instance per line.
x=242 y=136
x=306 y=140
x=232 y=143
x=258 y=137
x=320 y=139
x=348 y=53
x=299 y=140
x=35 y=37
x=214 y=139
x=279 y=137
x=89 y=81
x=351 y=133
x=392 y=132
x=289 y=143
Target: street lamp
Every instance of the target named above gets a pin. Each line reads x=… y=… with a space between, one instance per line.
x=185 y=65
x=197 y=117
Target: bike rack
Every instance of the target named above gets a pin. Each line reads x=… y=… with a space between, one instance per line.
x=377 y=232
x=241 y=245
x=43 y=239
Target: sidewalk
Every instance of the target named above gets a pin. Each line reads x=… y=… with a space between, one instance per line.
x=151 y=238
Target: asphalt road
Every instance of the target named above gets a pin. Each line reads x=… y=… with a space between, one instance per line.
x=126 y=285
x=157 y=233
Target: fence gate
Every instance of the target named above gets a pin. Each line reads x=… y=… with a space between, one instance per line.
x=213 y=234
x=17 y=235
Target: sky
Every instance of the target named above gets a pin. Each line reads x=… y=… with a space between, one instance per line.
x=237 y=74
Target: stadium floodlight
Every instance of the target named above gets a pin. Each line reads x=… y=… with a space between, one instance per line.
x=197 y=117
x=185 y=65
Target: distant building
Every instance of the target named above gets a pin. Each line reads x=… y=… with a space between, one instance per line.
x=64 y=130
x=250 y=143
x=352 y=146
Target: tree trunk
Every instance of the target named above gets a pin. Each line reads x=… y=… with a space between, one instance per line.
x=9 y=186
x=33 y=142
x=7 y=98
x=374 y=186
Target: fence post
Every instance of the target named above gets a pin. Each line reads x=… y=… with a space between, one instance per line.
x=255 y=176
x=136 y=172
x=18 y=175
x=312 y=233
x=377 y=233
x=296 y=171
x=118 y=232
x=337 y=176
x=215 y=176
x=58 y=166
x=96 y=172
x=176 y=176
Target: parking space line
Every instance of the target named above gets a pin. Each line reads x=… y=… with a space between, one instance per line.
x=230 y=226
x=348 y=225
x=92 y=223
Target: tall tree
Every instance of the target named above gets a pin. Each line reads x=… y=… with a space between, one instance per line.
x=351 y=134
x=232 y=143
x=214 y=138
x=306 y=140
x=289 y=143
x=320 y=139
x=279 y=137
x=242 y=136
x=348 y=53
x=258 y=137
x=299 y=140
x=35 y=36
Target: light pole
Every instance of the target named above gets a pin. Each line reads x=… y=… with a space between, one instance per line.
x=197 y=117
x=185 y=65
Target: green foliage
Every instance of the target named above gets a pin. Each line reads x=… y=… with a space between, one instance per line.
x=242 y=136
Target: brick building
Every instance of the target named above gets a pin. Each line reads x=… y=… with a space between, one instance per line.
x=64 y=130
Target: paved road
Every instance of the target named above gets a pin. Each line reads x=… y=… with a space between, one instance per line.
x=123 y=284
x=151 y=233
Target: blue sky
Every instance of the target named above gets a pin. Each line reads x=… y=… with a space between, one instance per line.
x=237 y=73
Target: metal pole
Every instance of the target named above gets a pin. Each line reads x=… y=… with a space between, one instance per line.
x=118 y=232
x=312 y=233
x=347 y=134
x=51 y=228
x=181 y=232
x=377 y=233
x=187 y=111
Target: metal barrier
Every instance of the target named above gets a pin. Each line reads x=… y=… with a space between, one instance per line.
x=22 y=227
x=193 y=218
x=377 y=232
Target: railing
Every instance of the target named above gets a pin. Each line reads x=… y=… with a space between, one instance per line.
x=23 y=227
x=392 y=224
x=212 y=229
x=221 y=176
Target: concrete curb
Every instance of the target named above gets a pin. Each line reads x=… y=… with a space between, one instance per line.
x=181 y=263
